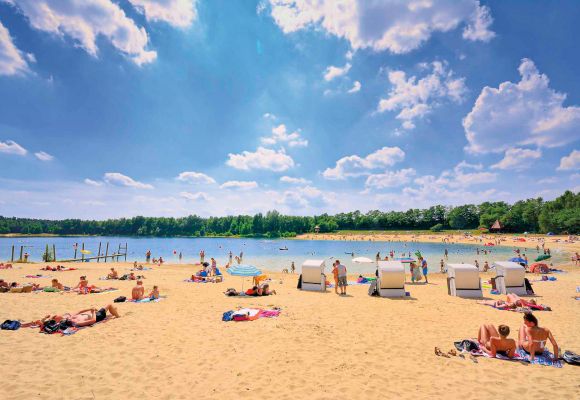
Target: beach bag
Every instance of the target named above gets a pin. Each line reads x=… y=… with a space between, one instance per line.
x=10 y=325
x=50 y=327
x=227 y=316
x=120 y=299
x=299 y=286
x=466 y=345
x=65 y=324
x=571 y=358
x=373 y=289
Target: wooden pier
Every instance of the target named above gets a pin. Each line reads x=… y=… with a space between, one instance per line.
x=121 y=252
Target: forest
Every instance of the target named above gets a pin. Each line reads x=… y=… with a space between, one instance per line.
x=561 y=215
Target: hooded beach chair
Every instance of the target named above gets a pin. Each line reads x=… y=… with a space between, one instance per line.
x=313 y=277
x=391 y=279
x=510 y=278
x=463 y=280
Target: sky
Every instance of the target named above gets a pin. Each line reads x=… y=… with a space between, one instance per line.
x=118 y=108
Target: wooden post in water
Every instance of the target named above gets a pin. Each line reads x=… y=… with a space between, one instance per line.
x=76 y=248
x=107 y=252
x=21 y=251
x=126 y=247
x=99 y=253
x=12 y=258
x=53 y=252
x=118 y=252
x=83 y=254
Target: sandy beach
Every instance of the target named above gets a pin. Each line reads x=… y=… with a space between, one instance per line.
x=322 y=346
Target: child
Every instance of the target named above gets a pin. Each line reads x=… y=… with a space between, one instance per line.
x=425 y=269
x=154 y=295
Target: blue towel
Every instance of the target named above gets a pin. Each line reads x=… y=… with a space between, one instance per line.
x=546 y=358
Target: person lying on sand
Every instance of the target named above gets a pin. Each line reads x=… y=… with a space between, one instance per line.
x=113 y=274
x=532 y=338
x=514 y=301
x=154 y=294
x=494 y=341
x=87 y=317
x=264 y=290
x=56 y=284
x=4 y=284
x=138 y=291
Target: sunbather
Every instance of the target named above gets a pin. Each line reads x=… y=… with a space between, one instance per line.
x=113 y=274
x=533 y=339
x=494 y=341
x=56 y=284
x=154 y=294
x=264 y=290
x=86 y=317
x=513 y=301
x=138 y=291
x=4 y=284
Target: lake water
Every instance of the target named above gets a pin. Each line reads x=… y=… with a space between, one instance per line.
x=259 y=252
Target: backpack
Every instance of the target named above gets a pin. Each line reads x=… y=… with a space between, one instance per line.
x=120 y=299
x=571 y=358
x=9 y=325
x=50 y=327
x=227 y=316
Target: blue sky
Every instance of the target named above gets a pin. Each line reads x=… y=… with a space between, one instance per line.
x=114 y=108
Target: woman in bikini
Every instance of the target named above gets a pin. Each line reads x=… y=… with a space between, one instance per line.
x=494 y=341
x=533 y=339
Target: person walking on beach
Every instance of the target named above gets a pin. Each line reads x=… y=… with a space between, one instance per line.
x=231 y=256
x=446 y=254
x=335 y=275
x=180 y=257
x=148 y=256
x=292 y=267
x=425 y=269
x=342 y=282
x=201 y=256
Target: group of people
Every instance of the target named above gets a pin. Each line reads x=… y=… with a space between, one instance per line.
x=340 y=277
x=531 y=338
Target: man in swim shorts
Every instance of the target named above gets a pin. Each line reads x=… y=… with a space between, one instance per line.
x=138 y=291
x=342 y=283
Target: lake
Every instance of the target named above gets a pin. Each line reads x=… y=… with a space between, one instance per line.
x=260 y=252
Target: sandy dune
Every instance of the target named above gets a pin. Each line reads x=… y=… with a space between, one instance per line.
x=321 y=347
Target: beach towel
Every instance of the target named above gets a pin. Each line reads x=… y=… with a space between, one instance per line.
x=250 y=314
x=103 y=291
x=527 y=309
x=196 y=281
x=545 y=359
x=37 y=276
x=146 y=300
x=143 y=269
x=74 y=329
x=350 y=283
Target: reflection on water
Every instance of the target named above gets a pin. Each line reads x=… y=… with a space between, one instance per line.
x=263 y=253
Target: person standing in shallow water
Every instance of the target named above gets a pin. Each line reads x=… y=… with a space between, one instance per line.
x=292 y=267
x=148 y=256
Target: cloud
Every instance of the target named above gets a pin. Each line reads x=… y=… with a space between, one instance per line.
x=91 y=182
x=335 y=72
x=43 y=156
x=262 y=158
x=394 y=25
x=178 y=13
x=352 y=166
x=87 y=21
x=478 y=28
x=280 y=135
x=415 y=98
x=269 y=116
x=294 y=181
x=11 y=147
x=355 y=87
x=303 y=197
x=116 y=178
x=571 y=162
x=195 y=177
x=518 y=114
x=240 y=185
x=198 y=196
x=12 y=60
x=390 y=179
x=517 y=159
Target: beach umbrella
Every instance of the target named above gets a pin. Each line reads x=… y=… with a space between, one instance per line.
x=518 y=260
x=244 y=270
x=542 y=257
x=362 y=260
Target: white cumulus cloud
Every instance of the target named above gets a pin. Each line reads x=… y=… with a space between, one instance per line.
x=198 y=196
x=414 y=98
x=195 y=177
x=91 y=182
x=86 y=21
x=355 y=87
x=262 y=158
x=394 y=25
x=239 y=185
x=570 y=162
x=43 y=156
x=355 y=165
x=528 y=113
x=518 y=159
x=116 y=178
x=12 y=60
x=294 y=181
x=390 y=178
x=281 y=135
x=11 y=147
x=179 y=13
x=334 y=72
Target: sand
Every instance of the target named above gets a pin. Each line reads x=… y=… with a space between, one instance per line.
x=322 y=346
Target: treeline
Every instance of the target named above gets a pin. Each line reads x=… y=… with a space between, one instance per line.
x=561 y=215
